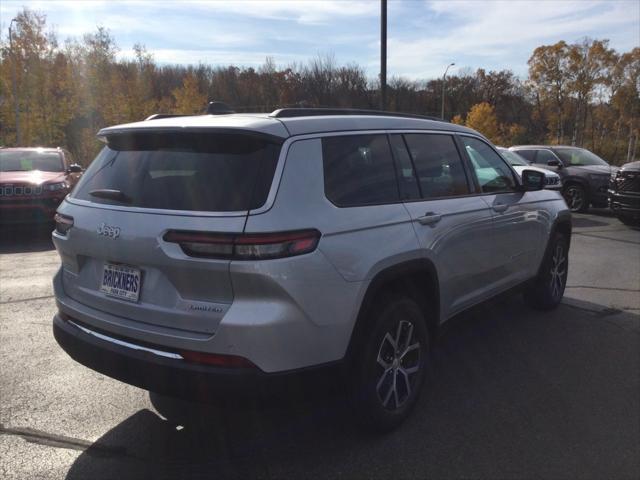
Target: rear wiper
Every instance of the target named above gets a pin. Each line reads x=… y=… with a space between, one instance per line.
x=110 y=194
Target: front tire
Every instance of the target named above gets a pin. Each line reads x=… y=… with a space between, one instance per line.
x=576 y=198
x=389 y=368
x=547 y=289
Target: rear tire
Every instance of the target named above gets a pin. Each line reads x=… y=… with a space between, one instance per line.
x=388 y=368
x=547 y=289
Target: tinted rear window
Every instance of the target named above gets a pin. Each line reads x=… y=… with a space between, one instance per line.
x=183 y=171
x=438 y=165
x=358 y=170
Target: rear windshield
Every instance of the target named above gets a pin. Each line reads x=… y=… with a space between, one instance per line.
x=182 y=171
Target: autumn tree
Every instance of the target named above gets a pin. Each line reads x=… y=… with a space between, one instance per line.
x=482 y=118
x=28 y=57
x=585 y=93
x=188 y=98
x=550 y=79
x=588 y=68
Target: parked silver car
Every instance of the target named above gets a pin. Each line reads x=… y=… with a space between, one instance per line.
x=519 y=164
x=216 y=253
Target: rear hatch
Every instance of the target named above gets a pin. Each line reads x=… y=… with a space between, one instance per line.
x=143 y=185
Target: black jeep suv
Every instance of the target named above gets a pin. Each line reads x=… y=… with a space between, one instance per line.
x=624 y=193
x=585 y=176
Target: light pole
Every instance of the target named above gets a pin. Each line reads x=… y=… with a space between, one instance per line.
x=15 y=86
x=383 y=54
x=443 y=83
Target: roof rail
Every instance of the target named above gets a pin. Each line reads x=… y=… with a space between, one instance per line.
x=156 y=116
x=316 y=112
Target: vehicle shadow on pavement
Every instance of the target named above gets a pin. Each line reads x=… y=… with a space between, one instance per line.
x=584 y=222
x=512 y=393
x=21 y=239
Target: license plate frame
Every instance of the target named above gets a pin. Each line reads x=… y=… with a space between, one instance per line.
x=123 y=282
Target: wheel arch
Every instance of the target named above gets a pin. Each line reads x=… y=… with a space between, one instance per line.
x=418 y=278
x=562 y=224
x=575 y=180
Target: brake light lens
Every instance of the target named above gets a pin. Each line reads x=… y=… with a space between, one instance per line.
x=63 y=223
x=251 y=246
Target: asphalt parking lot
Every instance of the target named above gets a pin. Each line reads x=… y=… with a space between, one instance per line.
x=513 y=393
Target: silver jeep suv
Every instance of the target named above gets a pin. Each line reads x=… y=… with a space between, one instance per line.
x=227 y=252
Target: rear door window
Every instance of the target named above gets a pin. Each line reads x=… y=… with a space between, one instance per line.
x=182 y=171
x=438 y=165
x=359 y=170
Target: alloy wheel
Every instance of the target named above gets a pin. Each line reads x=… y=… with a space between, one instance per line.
x=558 y=271
x=399 y=359
x=575 y=198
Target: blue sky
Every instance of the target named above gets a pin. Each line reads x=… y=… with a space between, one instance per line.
x=424 y=36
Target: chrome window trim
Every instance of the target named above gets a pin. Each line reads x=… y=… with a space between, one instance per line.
x=317 y=136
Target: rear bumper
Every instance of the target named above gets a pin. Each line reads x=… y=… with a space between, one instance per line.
x=162 y=372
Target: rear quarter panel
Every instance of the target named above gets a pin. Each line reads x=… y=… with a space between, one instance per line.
x=356 y=242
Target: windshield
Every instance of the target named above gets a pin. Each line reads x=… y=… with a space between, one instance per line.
x=513 y=158
x=182 y=171
x=27 y=160
x=579 y=157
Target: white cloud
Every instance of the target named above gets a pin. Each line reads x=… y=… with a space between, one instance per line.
x=504 y=31
x=214 y=57
x=424 y=36
x=305 y=12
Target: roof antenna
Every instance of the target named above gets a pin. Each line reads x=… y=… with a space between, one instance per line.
x=219 y=108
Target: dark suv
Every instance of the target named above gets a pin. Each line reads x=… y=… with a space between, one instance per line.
x=624 y=193
x=33 y=182
x=585 y=176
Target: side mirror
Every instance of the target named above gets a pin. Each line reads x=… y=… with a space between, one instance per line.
x=554 y=163
x=532 y=180
x=74 y=168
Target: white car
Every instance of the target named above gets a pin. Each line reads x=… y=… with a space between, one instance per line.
x=551 y=179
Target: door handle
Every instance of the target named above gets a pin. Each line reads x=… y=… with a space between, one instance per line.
x=429 y=218
x=501 y=207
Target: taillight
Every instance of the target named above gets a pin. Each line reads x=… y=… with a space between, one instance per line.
x=217 y=360
x=63 y=223
x=252 y=246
